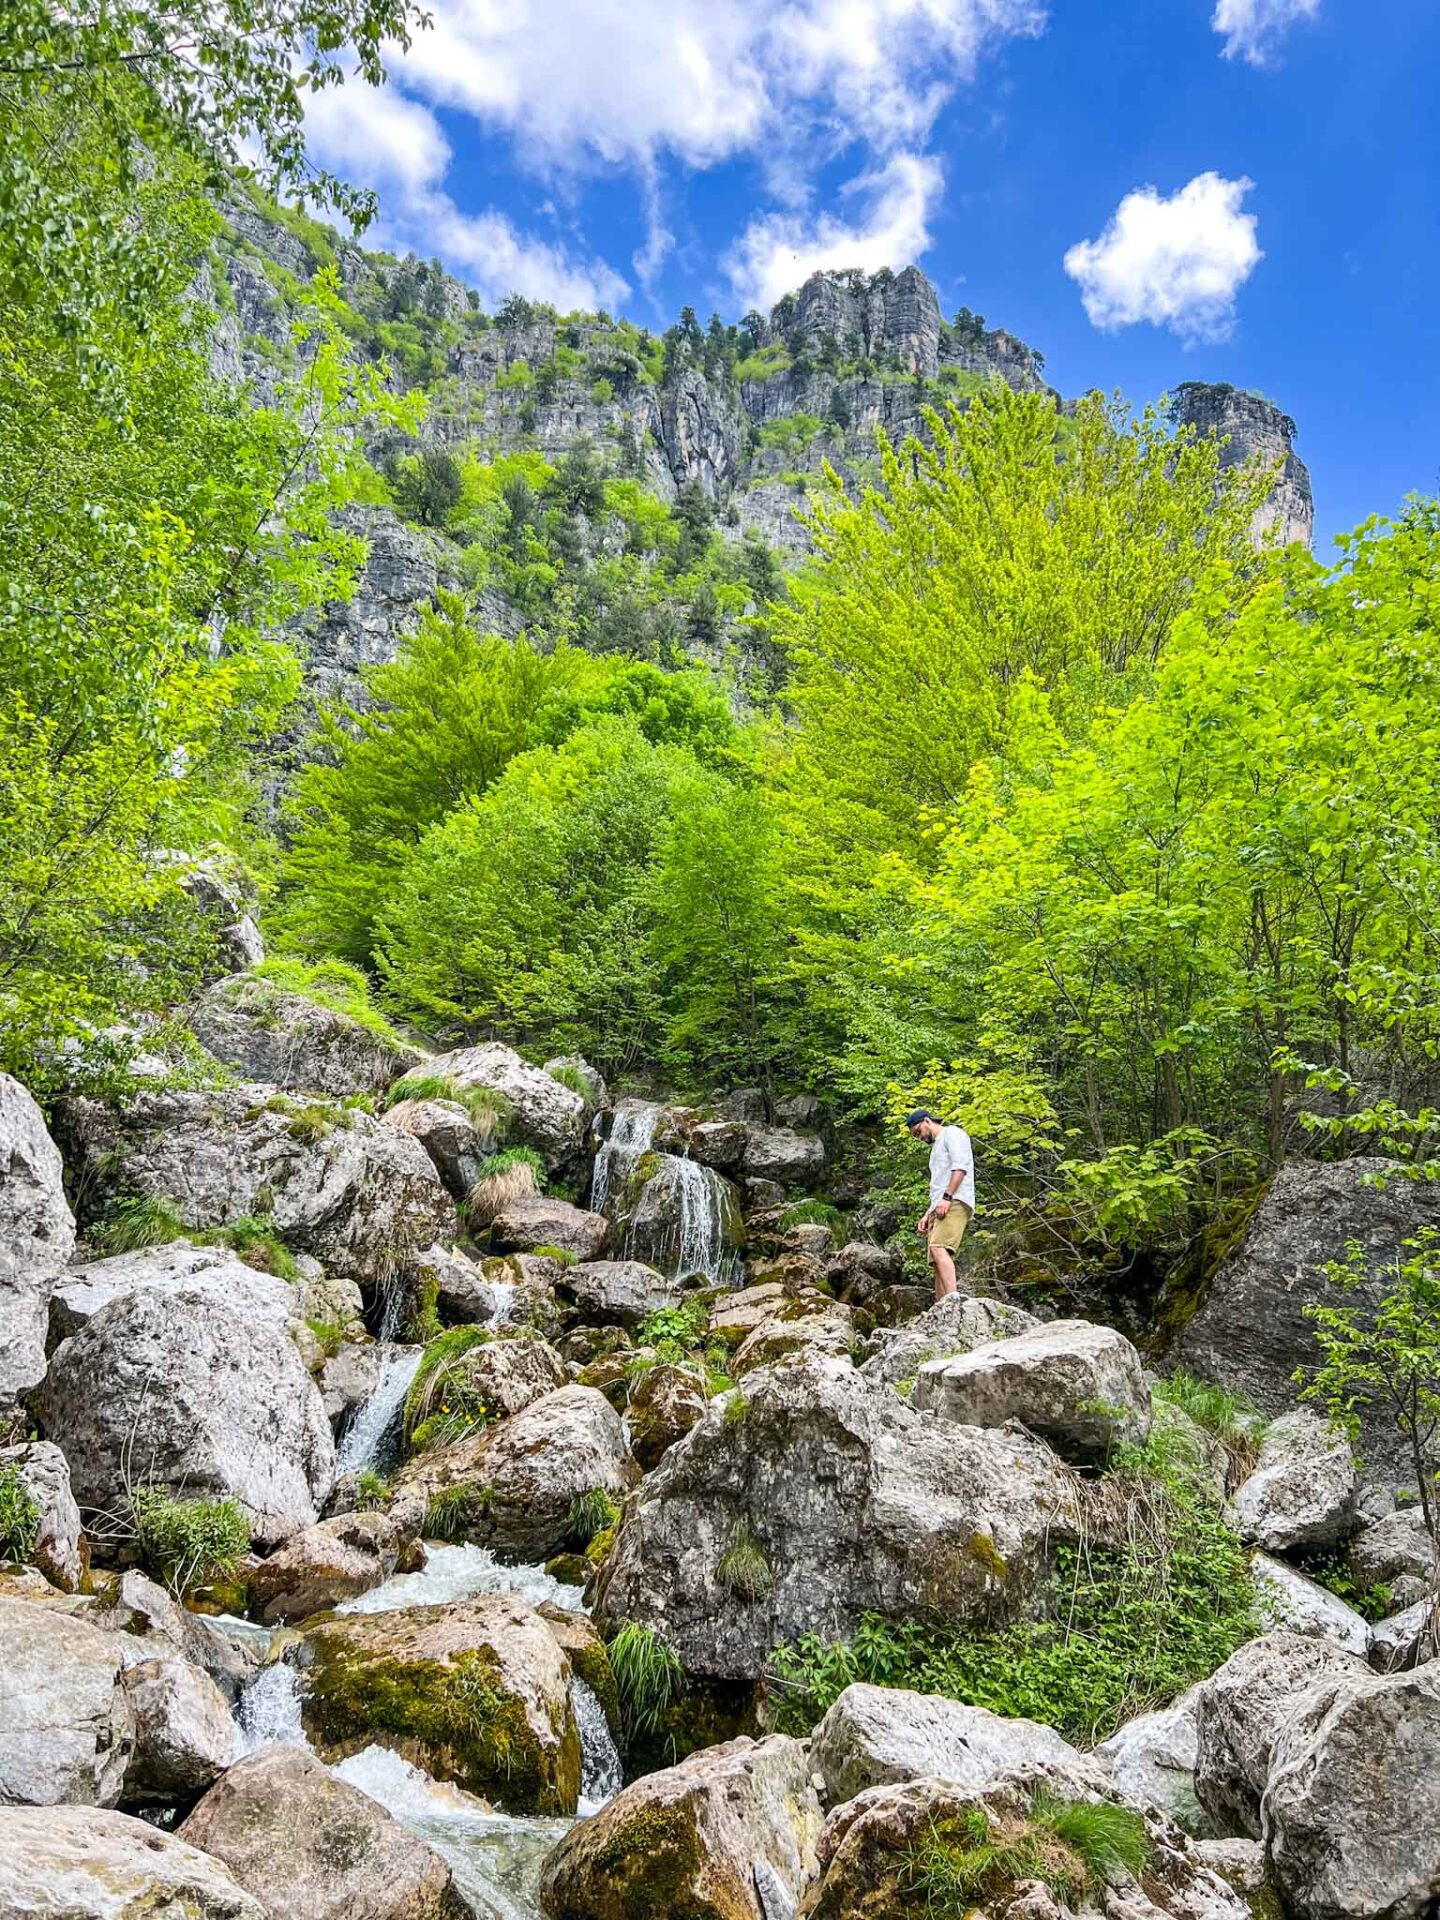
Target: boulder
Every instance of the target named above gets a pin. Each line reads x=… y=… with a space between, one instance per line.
x=812 y=1324
x=1240 y=1863
x=689 y=1839
x=1079 y=1386
x=446 y=1131
x=777 y=1153
x=534 y=1222
x=734 y=1316
x=270 y=1034
x=574 y=1066
x=1351 y=1813
x=1393 y=1548
x=840 y=1501
x=719 y=1144
x=547 y=1116
x=85 y=1863
x=1249 y=1331
x=37 y=1236
x=323 y=1565
x=685 y=1220
x=1286 y=1602
x=507 y=1374
x=66 y=1727
x=1303 y=1487
x=511 y=1486
x=332 y=1181
x=184 y=1736
x=213 y=1271
x=1152 y=1759
x=872 y=1736
x=1406 y=1639
x=61 y=1550
x=860 y=1269
x=463 y=1294
x=1240 y=1710
x=347 y=1379
x=799 y=1110
x=665 y=1402
x=314 y=1848
x=954 y=1325
x=329 y=1297
x=475 y=1691
x=622 y=1291
x=173 y=1388
x=154 y=1625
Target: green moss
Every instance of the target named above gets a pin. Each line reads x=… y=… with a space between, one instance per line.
x=650 y=1864
x=1185 y=1290
x=255 y=1240
x=562 y=1256
x=332 y=984
x=590 y=1514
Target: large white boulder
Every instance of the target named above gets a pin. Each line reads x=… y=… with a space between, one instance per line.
x=184 y=1735
x=547 y=1116
x=955 y=1325
x=1152 y=1758
x=67 y=1731
x=215 y=1271
x=1303 y=1487
x=1287 y=1602
x=37 y=1236
x=85 y=1863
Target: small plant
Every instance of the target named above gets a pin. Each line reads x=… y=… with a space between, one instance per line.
x=1332 y=1571
x=19 y=1516
x=975 y=1858
x=744 y=1566
x=372 y=1491
x=678 y=1328
x=490 y=1110
x=140 y=1220
x=572 y=1078
x=1110 y=1840
x=590 y=1513
x=562 y=1256
x=442 y=1402
x=258 y=1245
x=455 y=1512
x=329 y=1335
x=310 y=1123
x=1229 y=1417
x=648 y=1677
x=509 y=1175
x=814 y=1213
x=736 y=1407
x=188 y=1543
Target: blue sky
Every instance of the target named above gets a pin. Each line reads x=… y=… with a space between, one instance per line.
x=1149 y=191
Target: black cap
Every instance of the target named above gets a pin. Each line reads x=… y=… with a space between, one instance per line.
x=912 y=1120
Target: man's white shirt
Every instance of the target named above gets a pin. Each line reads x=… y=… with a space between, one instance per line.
x=949 y=1150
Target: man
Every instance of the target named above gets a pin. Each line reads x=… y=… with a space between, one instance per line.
x=952 y=1194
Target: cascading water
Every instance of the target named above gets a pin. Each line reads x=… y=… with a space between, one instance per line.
x=632 y=1130
x=371 y=1430
x=600 y=1769
x=692 y=1233
x=267 y=1714
x=455 y=1573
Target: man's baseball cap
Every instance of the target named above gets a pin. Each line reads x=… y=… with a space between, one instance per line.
x=912 y=1120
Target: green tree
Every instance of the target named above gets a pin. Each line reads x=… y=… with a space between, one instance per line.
x=428 y=486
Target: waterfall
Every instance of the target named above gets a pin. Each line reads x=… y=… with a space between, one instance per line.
x=267 y=1714
x=692 y=1238
x=632 y=1129
x=703 y=1202
x=455 y=1573
x=364 y=1443
x=600 y=1772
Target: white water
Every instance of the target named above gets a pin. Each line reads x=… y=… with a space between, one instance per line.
x=632 y=1129
x=267 y=1713
x=698 y=1245
x=600 y=1770
x=455 y=1573
x=369 y=1429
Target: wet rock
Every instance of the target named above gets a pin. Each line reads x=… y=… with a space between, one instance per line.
x=687 y=1840
x=477 y=1692
x=777 y=1153
x=347 y=1379
x=1080 y=1387
x=1351 y=1812
x=174 y=1389
x=1286 y=1602
x=954 y=1325
x=547 y=1116
x=534 y=1222
x=446 y=1131
x=326 y=1564
x=840 y=1500
x=1152 y=1758
x=61 y=1550
x=314 y=1848
x=1302 y=1490
x=85 y=1863
x=624 y=1291
x=184 y=1736
x=272 y=1035
x=154 y=1625
x=66 y=1727
x=664 y=1403
x=1239 y=1712
x=37 y=1236
x=685 y=1219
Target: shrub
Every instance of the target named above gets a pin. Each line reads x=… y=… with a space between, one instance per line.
x=590 y=1513
x=572 y=1078
x=19 y=1516
x=441 y=1403
x=333 y=984
x=744 y=1566
x=505 y=1177
x=648 y=1677
x=682 y=1327
x=329 y=1335
x=372 y=1490
x=256 y=1242
x=1234 y=1422
x=140 y=1220
x=188 y=1543
x=815 y=1213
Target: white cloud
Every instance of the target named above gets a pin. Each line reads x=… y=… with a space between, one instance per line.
x=776 y=252
x=1253 y=28
x=1177 y=263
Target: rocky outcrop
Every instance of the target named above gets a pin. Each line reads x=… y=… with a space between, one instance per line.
x=173 y=1388
x=83 y=1863
x=449 y=1135
x=37 y=1236
x=883 y=316
x=1394 y=1551
x=778 y=1153
x=1254 y=430
x=399 y=574
x=527 y=1224
x=314 y=1848
x=273 y=1036
x=546 y=1115
x=1081 y=1387
x=692 y=1839
x=184 y=1736
x=811 y=1496
x=954 y=1325
x=67 y=1732
x=61 y=1550
x=177 y=1267
x=619 y=1291
x=1303 y=1487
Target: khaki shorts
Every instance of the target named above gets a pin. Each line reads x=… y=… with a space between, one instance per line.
x=950 y=1231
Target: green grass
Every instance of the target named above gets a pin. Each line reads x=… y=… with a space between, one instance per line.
x=188 y=1543
x=508 y=1175
x=590 y=1513
x=744 y=1566
x=440 y=1393
x=1229 y=1417
x=330 y=1335
x=454 y=1512
x=490 y=1111
x=815 y=1213
x=19 y=1516
x=648 y=1677
x=561 y=1255
x=372 y=1491
x=572 y=1078
x=333 y=984
x=255 y=1240
x=974 y=1859
x=140 y=1220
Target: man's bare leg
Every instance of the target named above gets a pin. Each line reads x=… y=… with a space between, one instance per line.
x=944 y=1267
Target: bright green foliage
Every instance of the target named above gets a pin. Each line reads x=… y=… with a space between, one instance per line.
x=258 y=1245
x=972 y=1860
x=648 y=1677
x=330 y=983
x=1230 y=1417
x=140 y=1220
x=682 y=1327
x=188 y=1543
x=442 y=1404
x=372 y=1491
x=19 y=1516
x=590 y=1513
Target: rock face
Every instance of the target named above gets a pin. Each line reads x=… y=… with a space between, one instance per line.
x=1249 y=1331
x=399 y=572
x=1152 y=1758
x=1254 y=430
x=1239 y=1712
x=692 y=1839
x=1352 y=1810
x=173 y=1389
x=874 y=1736
x=511 y=1486
x=1394 y=1548
x=535 y=1222
x=82 y=1863
x=334 y=1182
x=547 y=1116
x=1302 y=1491
x=184 y=1736
x=476 y=1692
x=66 y=1728
x=60 y=1551
x=622 y=1292
x=270 y=1035
x=507 y=1375
x=37 y=1236
x=777 y=1153
x=1081 y=1387
x=314 y=1848
x=838 y=1500
x=954 y=1325
x=886 y=315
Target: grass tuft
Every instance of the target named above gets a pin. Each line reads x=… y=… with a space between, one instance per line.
x=441 y=1403
x=509 y=1175
x=188 y=1543
x=648 y=1677
x=19 y=1516
x=744 y=1566
x=590 y=1513
x=140 y=1220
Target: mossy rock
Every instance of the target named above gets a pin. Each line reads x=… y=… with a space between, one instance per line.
x=705 y=1714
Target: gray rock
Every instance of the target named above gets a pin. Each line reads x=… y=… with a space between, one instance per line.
x=576 y=1067
x=548 y=1117
x=348 y=1378
x=954 y=1325
x=448 y=1134
x=799 y=1111
x=1351 y=1813
x=37 y=1236
x=66 y=1728
x=330 y=1297
x=1081 y=1387
x=664 y=1403
x=179 y=1267
x=686 y=1221
x=1286 y=1602
x=269 y=1034
x=1302 y=1490
x=314 y=1848
x=172 y=1388
x=508 y=1374
x=61 y=1551
x=719 y=1144
x=1241 y=1863
x=855 y=1503
x=621 y=1292
x=818 y=1325
x=860 y=1269
x=1406 y=1639
x=700 y=1829
x=184 y=1736
x=1152 y=1758
x=399 y=572
x=1254 y=429
x=1239 y=1712
x=221 y=899
x=463 y=1293
x=1394 y=1548
x=327 y=1564
x=152 y=1625
x=86 y=1863
x=776 y=1153
x=872 y=1736
x=535 y=1221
